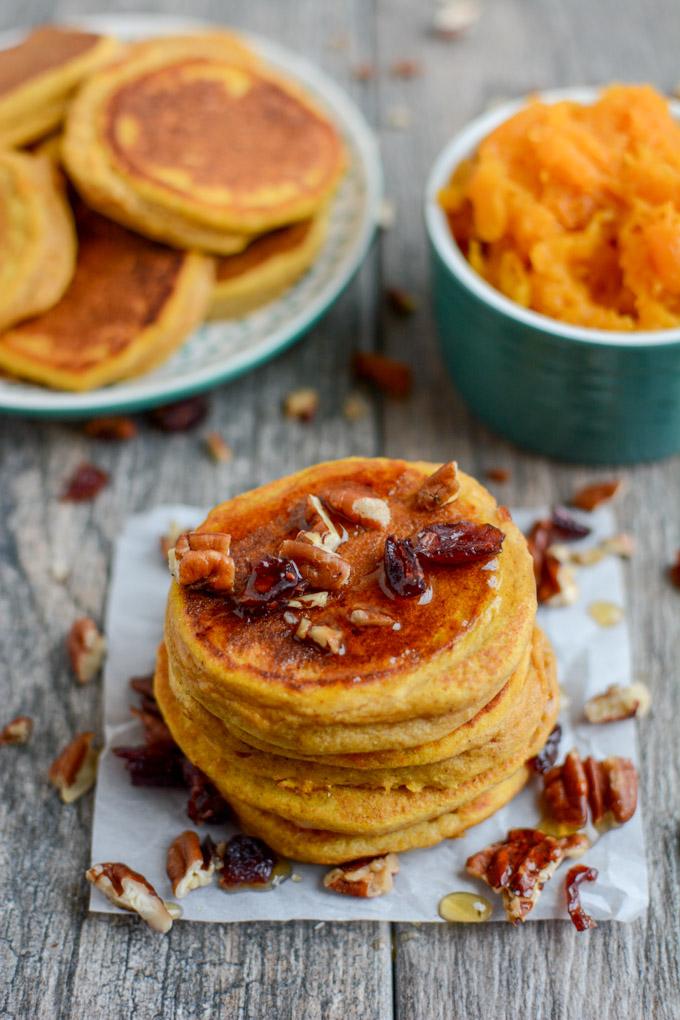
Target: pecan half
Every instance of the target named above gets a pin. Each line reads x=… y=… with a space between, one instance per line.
x=592 y=496
x=359 y=505
x=201 y=560
x=370 y=616
x=618 y=703
x=301 y=404
x=188 y=865
x=18 y=731
x=439 y=488
x=565 y=790
x=612 y=789
x=320 y=567
x=131 y=891
x=575 y=876
x=328 y=638
x=86 y=649
x=519 y=867
x=366 y=877
x=74 y=771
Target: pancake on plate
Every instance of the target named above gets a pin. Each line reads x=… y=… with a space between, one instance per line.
x=39 y=75
x=38 y=249
x=130 y=305
x=267 y=267
x=319 y=639
x=195 y=142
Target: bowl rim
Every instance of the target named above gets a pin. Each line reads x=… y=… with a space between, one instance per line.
x=463 y=143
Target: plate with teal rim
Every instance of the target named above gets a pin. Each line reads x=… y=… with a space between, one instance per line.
x=220 y=351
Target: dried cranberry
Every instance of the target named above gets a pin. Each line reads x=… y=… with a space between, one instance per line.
x=155 y=765
x=156 y=731
x=85 y=482
x=181 y=416
x=246 y=861
x=143 y=686
x=462 y=542
x=271 y=581
x=547 y=756
x=575 y=876
x=566 y=526
x=403 y=571
x=206 y=805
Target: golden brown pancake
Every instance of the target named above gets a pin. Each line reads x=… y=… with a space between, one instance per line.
x=450 y=654
x=130 y=304
x=37 y=237
x=266 y=268
x=38 y=75
x=207 y=138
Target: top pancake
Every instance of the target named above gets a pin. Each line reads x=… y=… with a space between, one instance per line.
x=453 y=651
x=212 y=137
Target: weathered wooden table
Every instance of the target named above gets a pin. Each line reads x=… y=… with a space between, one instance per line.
x=56 y=961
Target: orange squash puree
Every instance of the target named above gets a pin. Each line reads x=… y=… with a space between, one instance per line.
x=574 y=211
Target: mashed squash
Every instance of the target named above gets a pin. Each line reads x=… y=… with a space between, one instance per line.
x=574 y=211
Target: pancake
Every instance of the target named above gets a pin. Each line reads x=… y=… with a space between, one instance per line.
x=40 y=74
x=266 y=268
x=38 y=249
x=316 y=846
x=130 y=304
x=451 y=654
x=198 y=133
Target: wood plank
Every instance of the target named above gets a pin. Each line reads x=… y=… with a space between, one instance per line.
x=55 y=960
x=545 y=970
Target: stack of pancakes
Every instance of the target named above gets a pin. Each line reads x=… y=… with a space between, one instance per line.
x=197 y=186
x=409 y=732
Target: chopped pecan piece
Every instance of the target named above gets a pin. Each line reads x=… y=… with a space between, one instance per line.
x=320 y=567
x=612 y=789
x=364 y=72
x=453 y=545
x=180 y=416
x=355 y=407
x=453 y=18
x=111 y=429
x=370 y=616
x=360 y=506
x=558 y=585
x=547 y=756
x=618 y=703
x=74 y=771
x=390 y=376
x=189 y=865
x=439 y=488
x=329 y=638
x=168 y=540
x=201 y=560
x=218 y=448
x=520 y=866
x=321 y=530
x=498 y=474
x=84 y=484
x=575 y=876
x=403 y=570
x=86 y=649
x=301 y=404
x=18 y=731
x=406 y=68
x=312 y=600
x=592 y=496
x=565 y=790
x=131 y=891
x=366 y=877
x=555 y=581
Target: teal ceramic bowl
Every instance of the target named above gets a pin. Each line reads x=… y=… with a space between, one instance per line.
x=587 y=395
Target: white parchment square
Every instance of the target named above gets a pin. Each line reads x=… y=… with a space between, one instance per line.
x=136 y=825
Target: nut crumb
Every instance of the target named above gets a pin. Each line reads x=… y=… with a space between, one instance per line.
x=370 y=616
x=301 y=404
x=399 y=117
x=86 y=649
x=218 y=448
x=618 y=703
x=498 y=474
x=364 y=72
x=606 y=614
x=355 y=407
x=453 y=18
x=387 y=214
x=406 y=68
x=18 y=731
x=112 y=429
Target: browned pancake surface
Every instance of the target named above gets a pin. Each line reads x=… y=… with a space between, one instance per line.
x=458 y=595
x=277 y=242
x=262 y=138
x=43 y=50
x=121 y=283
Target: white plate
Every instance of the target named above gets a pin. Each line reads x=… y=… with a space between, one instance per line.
x=219 y=351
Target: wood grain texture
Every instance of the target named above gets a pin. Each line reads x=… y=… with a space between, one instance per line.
x=58 y=962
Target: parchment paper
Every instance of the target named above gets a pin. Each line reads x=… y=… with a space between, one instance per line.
x=137 y=825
